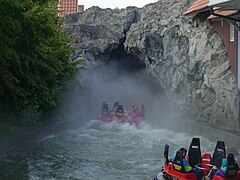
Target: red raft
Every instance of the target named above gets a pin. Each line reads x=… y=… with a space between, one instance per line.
x=205 y=162
x=117 y=114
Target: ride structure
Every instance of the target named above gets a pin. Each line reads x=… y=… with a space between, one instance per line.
x=117 y=114
x=175 y=170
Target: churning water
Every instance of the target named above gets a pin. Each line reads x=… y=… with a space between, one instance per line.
x=99 y=150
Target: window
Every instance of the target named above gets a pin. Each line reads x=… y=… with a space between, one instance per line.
x=231 y=33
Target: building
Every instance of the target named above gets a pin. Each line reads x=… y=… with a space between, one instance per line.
x=67 y=7
x=225 y=18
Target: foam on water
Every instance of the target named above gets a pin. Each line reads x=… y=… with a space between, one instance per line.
x=101 y=150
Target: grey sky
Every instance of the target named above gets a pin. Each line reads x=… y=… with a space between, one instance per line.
x=114 y=3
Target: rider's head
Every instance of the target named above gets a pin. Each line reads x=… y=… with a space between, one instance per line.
x=184 y=151
x=134 y=106
x=230 y=158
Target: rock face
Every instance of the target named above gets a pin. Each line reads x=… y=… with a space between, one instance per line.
x=186 y=56
x=98 y=32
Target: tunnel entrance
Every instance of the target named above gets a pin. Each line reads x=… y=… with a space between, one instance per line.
x=121 y=78
x=127 y=63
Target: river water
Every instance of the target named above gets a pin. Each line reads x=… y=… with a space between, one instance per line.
x=98 y=150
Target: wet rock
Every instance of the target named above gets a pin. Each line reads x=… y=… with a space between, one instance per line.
x=186 y=56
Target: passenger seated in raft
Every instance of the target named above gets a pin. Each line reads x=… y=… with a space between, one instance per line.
x=186 y=166
x=135 y=112
x=232 y=166
x=114 y=108
x=105 y=109
x=228 y=169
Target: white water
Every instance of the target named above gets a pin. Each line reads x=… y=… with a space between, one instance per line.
x=100 y=151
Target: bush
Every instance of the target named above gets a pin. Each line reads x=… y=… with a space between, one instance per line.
x=34 y=57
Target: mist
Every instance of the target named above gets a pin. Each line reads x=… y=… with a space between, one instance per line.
x=122 y=79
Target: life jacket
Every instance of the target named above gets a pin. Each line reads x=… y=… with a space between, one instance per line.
x=180 y=164
x=135 y=113
x=113 y=111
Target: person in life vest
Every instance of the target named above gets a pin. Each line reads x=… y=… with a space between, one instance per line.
x=228 y=169
x=135 y=113
x=231 y=167
x=186 y=165
x=114 y=108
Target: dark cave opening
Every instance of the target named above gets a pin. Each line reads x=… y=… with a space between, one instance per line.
x=126 y=62
x=121 y=78
x=124 y=78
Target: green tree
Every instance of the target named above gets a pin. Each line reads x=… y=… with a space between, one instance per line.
x=34 y=56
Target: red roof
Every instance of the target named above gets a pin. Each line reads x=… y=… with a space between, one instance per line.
x=198 y=5
x=223 y=13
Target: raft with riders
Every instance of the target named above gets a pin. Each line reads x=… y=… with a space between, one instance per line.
x=198 y=166
x=117 y=113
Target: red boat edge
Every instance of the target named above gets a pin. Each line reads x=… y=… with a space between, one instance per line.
x=117 y=114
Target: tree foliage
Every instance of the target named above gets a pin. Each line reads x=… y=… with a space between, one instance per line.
x=34 y=55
